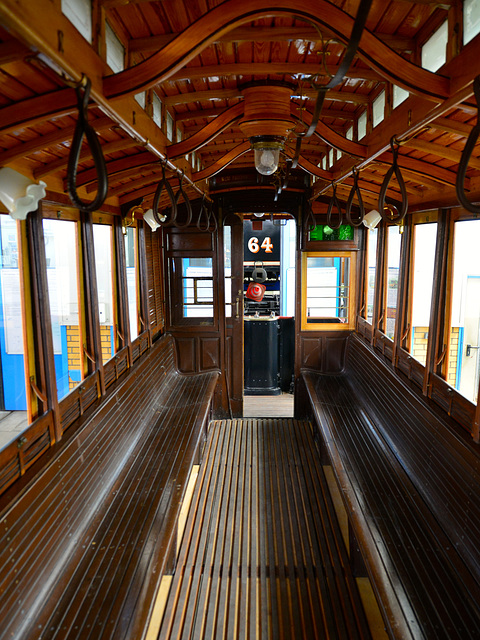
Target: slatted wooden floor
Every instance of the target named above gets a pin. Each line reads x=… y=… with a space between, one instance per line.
x=262 y=554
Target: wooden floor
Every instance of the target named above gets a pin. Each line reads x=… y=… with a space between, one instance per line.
x=268 y=406
x=262 y=555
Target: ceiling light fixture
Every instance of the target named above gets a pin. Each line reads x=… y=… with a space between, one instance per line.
x=19 y=194
x=266 y=122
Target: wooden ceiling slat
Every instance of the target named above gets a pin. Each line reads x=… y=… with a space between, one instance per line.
x=86 y=154
x=441 y=151
x=41 y=142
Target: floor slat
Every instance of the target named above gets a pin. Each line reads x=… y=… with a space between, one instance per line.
x=262 y=556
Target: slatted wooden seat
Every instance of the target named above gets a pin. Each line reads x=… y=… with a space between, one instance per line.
x=410 y=485
x=85 y=542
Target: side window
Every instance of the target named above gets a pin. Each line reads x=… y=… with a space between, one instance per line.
x=463 y=336
x=424 y=239
x=61 y=250
x=131 y=257
x=13 y=402
x=327 y=294
x=370 y=273
x=103 y=246
x=393 y=270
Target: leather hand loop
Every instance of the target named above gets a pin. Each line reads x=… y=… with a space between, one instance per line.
x=182 y=193
x=394 y=169
x=466 y=154
x=83 y=128
x=156 y=199
x=348 y=209
x=334 y=201
x=204 y=211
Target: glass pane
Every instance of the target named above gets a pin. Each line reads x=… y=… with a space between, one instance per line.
x=434 y=51
x=399 y=95
x=197 y=287
x=327 y=289
x=471 y=19
x=115 y=50
x=13 y=398
x=371 y=262
x=425 y=240
x=227 y=248
x=102 y=241
x=132 y=292
x=464 y=342
x=393 y=267
x=379 y=109
x=362 y=126
x=62 y=275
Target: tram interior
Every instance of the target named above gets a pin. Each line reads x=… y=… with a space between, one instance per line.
x=239 y=319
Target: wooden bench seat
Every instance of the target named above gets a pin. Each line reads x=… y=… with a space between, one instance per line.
x=86 y=539
x=410 y=486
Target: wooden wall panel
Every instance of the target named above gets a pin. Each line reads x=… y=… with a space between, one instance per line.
x=185 y=353
x=209 y=353
x=179 y=240
x=323 y=352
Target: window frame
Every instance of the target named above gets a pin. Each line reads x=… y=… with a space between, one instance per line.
x=330 y=326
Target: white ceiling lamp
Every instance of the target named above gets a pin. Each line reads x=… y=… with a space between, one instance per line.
x=266 y=122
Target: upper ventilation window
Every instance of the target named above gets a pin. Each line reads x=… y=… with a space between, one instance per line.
x=362 y=125
x=157 y=110
x=471 y=19
x=79 y=12
x=399 y=95
x=115 y=50
x=434 y=51
x=379 y=109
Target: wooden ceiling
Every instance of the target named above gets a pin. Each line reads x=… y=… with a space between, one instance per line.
x=197 y=56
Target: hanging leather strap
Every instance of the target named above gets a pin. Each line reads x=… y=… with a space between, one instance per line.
x=182 y=193
x=83 y=128
x=348 y=209
x=204 y=212
x=394 y=169
x=156 y=199
x=344 y=66
x=334 y=201
x=466 y=154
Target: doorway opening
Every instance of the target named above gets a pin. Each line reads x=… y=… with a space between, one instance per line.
x=269 y=316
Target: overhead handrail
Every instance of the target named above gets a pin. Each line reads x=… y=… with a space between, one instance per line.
x=351 y=50
x=182 y=193
x=334 y=202
x=348 y=208
x=156 y=199
x=466 y=154
x=394 y=169
x=83 y=128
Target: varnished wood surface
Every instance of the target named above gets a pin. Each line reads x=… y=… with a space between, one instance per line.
x=262 y=555
x=86 y=541
x=410 y=486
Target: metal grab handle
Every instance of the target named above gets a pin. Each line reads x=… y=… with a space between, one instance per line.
x=470 y=347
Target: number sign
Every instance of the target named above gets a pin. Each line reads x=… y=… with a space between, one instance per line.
x=262 y=245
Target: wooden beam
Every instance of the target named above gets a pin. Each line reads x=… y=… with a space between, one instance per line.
x=225 y=17
x=198 y=114
x=11 y=51
x=227 y=94
x=265 y=34
x=452 y=126
x=208 y=133
x=268 y=68
x=441 y=152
